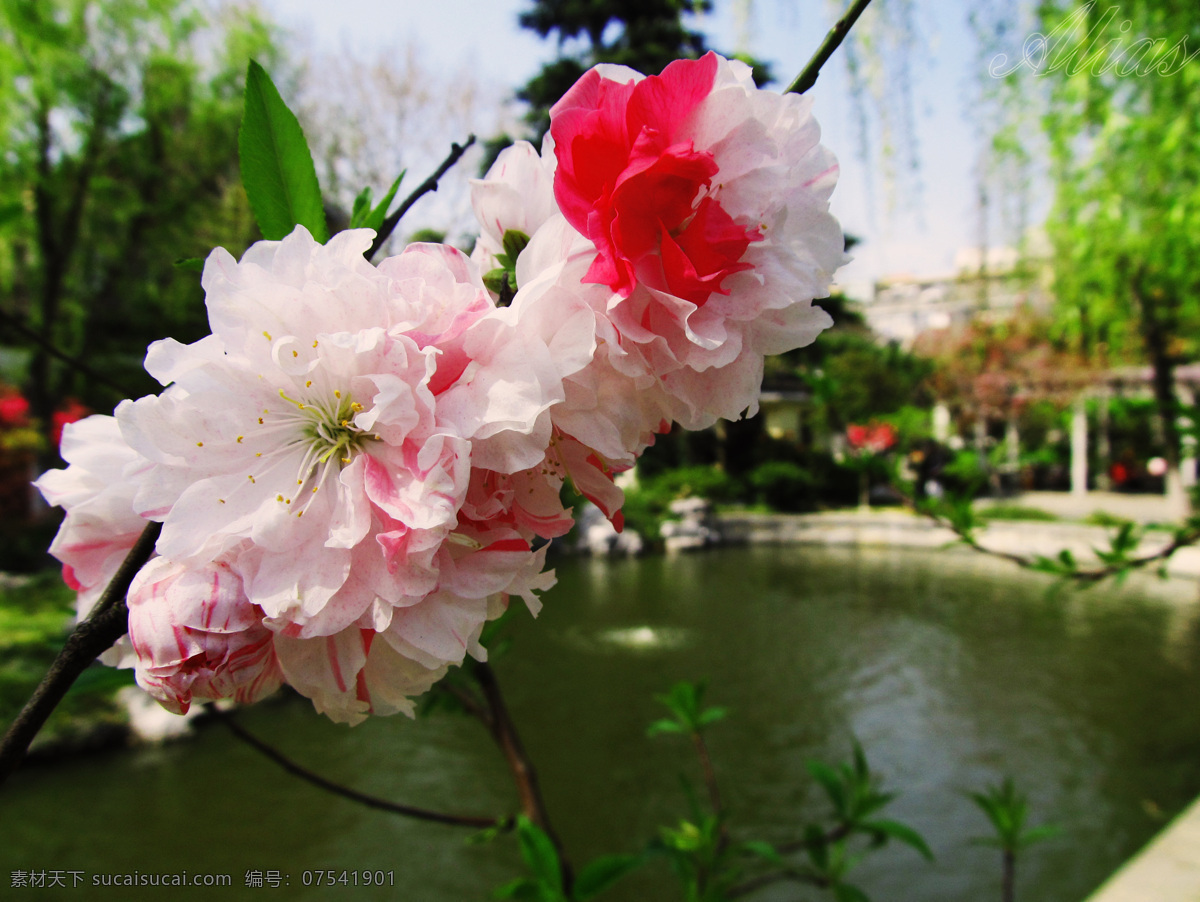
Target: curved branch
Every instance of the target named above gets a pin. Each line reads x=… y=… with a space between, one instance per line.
x=808 y=75
x=430 y=184
x=11 y=322
x=421 y=814
x=107 y=623
x=1183 y=539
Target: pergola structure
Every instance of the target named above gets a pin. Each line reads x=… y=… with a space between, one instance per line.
x=1101 y=387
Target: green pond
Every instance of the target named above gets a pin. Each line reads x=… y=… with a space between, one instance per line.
x=953 y=670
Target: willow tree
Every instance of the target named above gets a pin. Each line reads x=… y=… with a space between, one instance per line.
x=1123 y=123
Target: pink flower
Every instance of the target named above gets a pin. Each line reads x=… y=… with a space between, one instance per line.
x=312 y=459
x=706 y=203
x=516 y=194
x=197 y=636
x=631 y=179
x=97 y=491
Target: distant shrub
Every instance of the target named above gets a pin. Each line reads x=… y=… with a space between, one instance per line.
x=648 y=505
x=784 y=485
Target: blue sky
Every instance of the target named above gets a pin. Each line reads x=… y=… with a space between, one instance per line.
x=918 y=235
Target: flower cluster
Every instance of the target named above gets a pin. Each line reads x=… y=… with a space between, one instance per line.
x=355 y=470
x=871 y=438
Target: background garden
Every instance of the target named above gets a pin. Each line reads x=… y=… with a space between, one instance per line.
x=1058 y=354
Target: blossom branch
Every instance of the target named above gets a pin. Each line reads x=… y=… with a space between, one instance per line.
x=296 y=770
x=107 y=623
x=504 y=732
x=430 y=184
x=808 y=75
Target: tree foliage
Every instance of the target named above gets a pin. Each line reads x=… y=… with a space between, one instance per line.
x=121 y=159
x=1123 y=122
x=645 y=35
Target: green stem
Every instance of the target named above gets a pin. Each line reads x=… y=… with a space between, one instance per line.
x=808 y=75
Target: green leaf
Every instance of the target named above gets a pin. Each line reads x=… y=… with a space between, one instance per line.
x=847 y=892
x=522 y=889
x=901 y=832
x=495 y=280
x=830 y=782
x=362 y=207
x=1039 y=834
x=192 y=264
x=377 y=215
x=763 y=850
x=664 y=726
x=711 y=715
x=539 y=852
x=602 y=873
x=514 y=242
x=277 y=167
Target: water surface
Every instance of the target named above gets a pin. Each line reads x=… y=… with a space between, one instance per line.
x=952 y=670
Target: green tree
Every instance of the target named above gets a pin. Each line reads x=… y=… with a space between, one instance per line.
x=1123 y=124
x=121 y=159
x=645 y=35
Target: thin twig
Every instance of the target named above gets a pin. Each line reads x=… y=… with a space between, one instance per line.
x=710 y=775
x=505 y=733
x=421 y=814
x=808 y=75
x=108 y=622
x=1183 y=539
x=430 y=184
x=75 y=363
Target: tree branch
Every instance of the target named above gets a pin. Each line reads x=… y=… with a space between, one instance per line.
x=1183 y=539
x=808 y=75
x=505 y=733
x=11 y=322
x=753 y=884
x=430 y=184
x=421 y=814
x=108 y=622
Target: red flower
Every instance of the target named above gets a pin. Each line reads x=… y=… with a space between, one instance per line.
x=71 y=412
x=874 y=438
x=630 y=182
x=13 y=410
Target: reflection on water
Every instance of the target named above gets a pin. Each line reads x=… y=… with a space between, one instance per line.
x=952 y=670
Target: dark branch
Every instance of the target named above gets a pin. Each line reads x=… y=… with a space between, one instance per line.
x=421 y=814
x=108 y=622
x=808 y=75
x=11 y=322
x=753 y=884
x=505 y=733
x=430 y=184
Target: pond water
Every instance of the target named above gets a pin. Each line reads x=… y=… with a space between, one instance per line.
x=951 y=669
